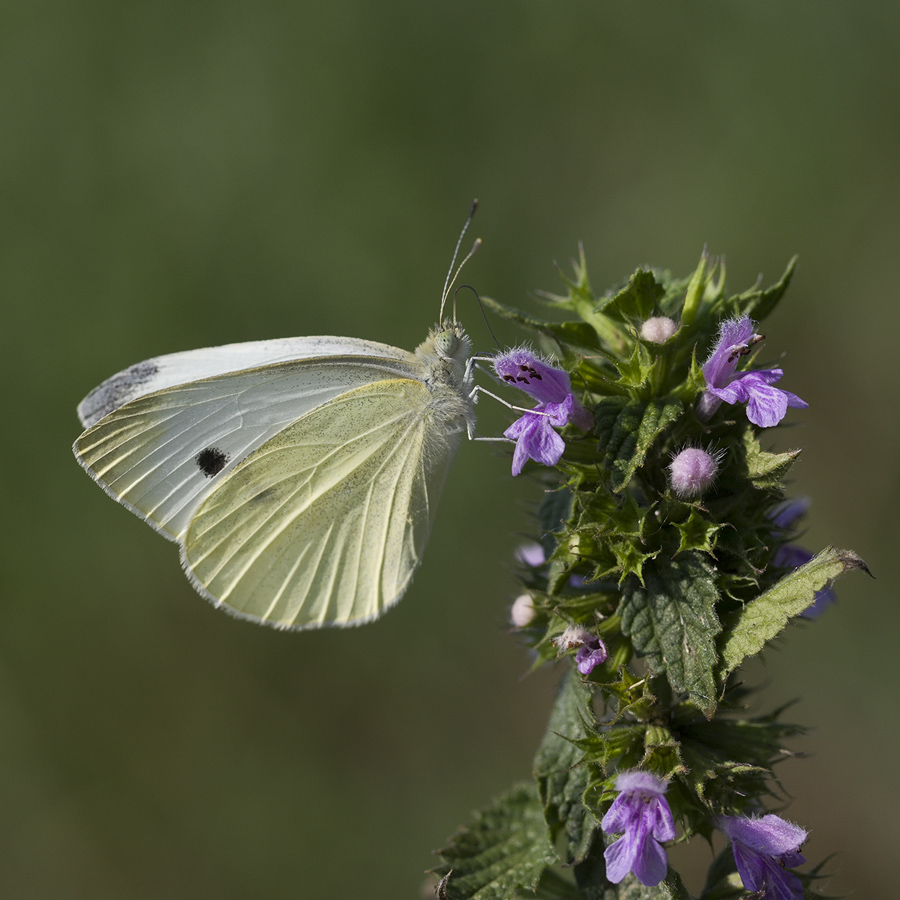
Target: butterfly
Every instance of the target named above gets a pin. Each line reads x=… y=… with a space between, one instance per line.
x=299 y=476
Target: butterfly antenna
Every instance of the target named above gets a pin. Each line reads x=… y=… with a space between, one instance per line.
x=468 y=287
x=448 y=284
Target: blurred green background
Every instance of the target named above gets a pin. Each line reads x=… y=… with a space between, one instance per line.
x=178 y=175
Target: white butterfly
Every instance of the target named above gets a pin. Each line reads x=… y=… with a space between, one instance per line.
x=299 y=476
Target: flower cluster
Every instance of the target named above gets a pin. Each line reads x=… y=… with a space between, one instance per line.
x=666 y=544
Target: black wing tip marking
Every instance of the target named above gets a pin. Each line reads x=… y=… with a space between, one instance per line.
x=115 y=392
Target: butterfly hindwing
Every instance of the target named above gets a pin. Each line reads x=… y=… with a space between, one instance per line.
x=325 y=522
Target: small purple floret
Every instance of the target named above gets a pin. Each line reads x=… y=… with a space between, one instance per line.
x=557 y=406
x=590 y=654
x=764 y=849
x=766 y=405
x=591 y=650
x=642 y=813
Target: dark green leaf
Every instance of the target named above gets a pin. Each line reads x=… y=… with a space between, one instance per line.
x=672 y=621
x=627 y=430
x=504 y=851
x=765 y=471
x=561 y=780
x=749 y=629
x=635 y=302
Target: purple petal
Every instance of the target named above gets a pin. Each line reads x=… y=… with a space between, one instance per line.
x=521 y=368
x=620 y=857
x=822 y=600
x=535 y=439
x=650 y=864
x=664 y=827
x=767 y=406
x=618 y=815
x=559 y=413
x=733 y=336
x=750 y=865
x=770 y=834
x=590 y=654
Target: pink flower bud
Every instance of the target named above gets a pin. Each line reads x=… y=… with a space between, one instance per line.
x=692 y=471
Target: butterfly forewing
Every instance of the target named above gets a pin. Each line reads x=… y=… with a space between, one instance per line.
x=174 y=369
x=325 y=523
x=162 y=453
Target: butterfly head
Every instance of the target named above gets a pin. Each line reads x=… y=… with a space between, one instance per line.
x=445 y=352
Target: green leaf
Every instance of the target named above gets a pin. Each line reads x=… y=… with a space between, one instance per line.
x=505 y=850
x=561 y=780
x=766 y=471
x=749 y=629
x=672 y=621
x=570 y=340
x=627 y=430
x=758 y=304
x=697 y=532
x=695 y=290
x=637 y=301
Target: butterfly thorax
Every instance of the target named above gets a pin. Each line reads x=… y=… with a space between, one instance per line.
x=444 y=355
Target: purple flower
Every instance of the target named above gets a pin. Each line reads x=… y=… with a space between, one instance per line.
x=764 y=849
x=766 y=405
x=791 y=556
x=591 y=650
x=642 y=812
x=557 y=406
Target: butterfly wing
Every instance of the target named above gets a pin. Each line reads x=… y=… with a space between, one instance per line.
x=161 y=452
x=325 y=523
x=174 y=369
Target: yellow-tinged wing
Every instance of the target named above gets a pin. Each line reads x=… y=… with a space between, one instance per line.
x=325 y=523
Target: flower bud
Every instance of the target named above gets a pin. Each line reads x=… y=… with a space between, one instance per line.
x=658 y=329
x=692 y=471
x=522 y=613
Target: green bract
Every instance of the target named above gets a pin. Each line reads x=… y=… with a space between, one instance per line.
x=681 y=589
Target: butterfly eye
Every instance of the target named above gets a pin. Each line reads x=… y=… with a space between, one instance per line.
x=447 y=344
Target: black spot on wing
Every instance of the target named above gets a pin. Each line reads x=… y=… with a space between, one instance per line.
x=211 y=461
x=115 y=391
